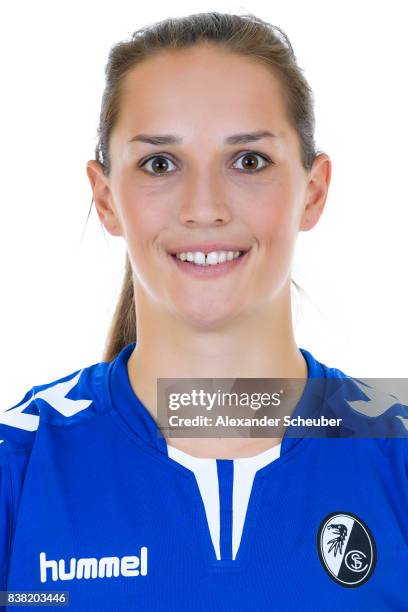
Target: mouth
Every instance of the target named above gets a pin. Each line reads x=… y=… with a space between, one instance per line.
x=209 y=265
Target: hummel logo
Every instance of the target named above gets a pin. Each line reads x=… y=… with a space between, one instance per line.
x=106 y=567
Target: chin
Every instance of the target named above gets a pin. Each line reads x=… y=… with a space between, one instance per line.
x=205 y=319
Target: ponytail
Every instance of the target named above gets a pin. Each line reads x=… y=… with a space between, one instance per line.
x=122 y=329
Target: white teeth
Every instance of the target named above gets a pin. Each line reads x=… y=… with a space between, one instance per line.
x=199 y=258
x=213 y=258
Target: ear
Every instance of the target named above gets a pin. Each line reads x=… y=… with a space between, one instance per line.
x=103 y=198
x=316 y=191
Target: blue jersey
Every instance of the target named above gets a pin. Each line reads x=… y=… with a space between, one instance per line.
x=95 y=503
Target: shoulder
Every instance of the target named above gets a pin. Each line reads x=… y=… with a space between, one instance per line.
x=67 y=400
x=62 y=402
x=373 y=408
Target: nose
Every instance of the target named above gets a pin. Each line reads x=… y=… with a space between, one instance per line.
x=204 y=202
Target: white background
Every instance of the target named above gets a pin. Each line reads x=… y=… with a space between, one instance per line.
x=59 y=288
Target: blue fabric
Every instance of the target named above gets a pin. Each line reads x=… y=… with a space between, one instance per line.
x=86 y=485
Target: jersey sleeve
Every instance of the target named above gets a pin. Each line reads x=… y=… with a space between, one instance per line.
x=16 y=439
x=5 y=520
x=12 y=471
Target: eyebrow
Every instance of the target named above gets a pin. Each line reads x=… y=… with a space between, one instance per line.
x=165 y=139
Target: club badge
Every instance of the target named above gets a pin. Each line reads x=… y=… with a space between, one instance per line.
x=346 y=548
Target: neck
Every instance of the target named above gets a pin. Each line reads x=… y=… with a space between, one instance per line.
x=257 y=346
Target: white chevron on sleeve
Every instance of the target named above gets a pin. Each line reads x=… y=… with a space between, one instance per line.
x=54 y=396
x=378 y=401
x=15 y=417
x=404 y=420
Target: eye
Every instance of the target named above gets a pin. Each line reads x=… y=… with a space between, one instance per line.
x=252 y=163
x=159 y=164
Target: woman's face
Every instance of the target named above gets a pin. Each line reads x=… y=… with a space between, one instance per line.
x=252 y=194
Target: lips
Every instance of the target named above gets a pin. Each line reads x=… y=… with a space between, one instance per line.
x=209 y=272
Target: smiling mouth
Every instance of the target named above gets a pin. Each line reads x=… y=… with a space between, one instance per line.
x=209 y=259
x=202 y=270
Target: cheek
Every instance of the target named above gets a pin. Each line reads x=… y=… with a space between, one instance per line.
x=141 y=212
x=142 y=220
x=142 y=225
x=272 y=218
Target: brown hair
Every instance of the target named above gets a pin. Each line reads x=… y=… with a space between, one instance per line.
x=246 y=35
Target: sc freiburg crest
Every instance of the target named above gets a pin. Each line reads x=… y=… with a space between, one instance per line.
x=346 y=548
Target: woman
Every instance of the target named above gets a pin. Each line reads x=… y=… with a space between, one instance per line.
x=206 y=167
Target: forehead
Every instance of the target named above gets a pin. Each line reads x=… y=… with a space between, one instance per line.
x=201 y=88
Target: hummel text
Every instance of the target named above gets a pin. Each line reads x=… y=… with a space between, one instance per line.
x=106 y=567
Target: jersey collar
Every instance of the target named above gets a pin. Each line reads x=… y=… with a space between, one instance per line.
x=143 y=425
